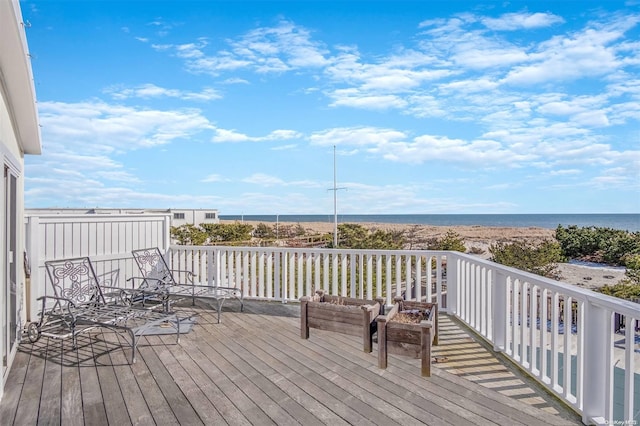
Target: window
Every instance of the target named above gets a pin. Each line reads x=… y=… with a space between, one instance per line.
x=178 y=215
x=209 y=215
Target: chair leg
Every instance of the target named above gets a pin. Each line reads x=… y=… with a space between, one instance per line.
x=134 y=344
x=220 y=303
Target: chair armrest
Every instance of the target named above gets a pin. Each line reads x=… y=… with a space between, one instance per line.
x=58 y=299
x=127 y=295
x=189 y=274
x=159 y=281
x=67 y=305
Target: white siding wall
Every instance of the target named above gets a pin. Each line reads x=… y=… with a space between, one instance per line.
x=106 y=239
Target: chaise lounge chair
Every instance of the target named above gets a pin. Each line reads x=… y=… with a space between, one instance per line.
x=79 y=305
x=157 y=279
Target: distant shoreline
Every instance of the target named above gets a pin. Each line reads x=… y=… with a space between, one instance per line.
x=624 y=221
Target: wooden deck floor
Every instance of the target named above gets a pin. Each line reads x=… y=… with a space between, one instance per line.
x=254 y=368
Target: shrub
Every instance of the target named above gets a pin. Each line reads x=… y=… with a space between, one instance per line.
x=605 y=245
x=188 y=234
x=624 y=290
x=538 y=259
x=263 y=231
x=351 y=235
x=227 y=231
x=450 y=241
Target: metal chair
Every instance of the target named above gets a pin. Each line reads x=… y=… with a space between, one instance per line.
x=79 y=305
x=157 y=278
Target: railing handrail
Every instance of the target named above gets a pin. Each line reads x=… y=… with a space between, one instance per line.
x=626 y=307
x=623 y=306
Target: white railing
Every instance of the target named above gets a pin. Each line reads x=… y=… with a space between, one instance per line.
x=287 y=274
x=566 y=337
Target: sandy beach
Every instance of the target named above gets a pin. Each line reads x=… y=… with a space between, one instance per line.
x=477 y=240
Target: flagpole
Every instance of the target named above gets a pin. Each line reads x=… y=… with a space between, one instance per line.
x=335 y=201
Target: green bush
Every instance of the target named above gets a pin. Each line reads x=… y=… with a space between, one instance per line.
x=451 y=241
x=604 y=245
x=624 y=290
x=226 y=232
x=354 y=236
x=188 y=234
x=539 y=259
x=629 y=287
x=263 y=231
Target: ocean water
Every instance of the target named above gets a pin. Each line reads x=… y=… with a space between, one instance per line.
x=627 y=222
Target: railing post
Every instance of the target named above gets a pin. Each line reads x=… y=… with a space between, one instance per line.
x=595 y=385
x=500 y=306
x=210 y=270
x=167 y=234
x=37 y=280
x=453 y=267
x=216 y=267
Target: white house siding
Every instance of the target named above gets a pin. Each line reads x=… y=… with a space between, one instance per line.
x=19 y=135
x=179 y=217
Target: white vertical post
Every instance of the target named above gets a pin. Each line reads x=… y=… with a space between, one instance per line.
x=398 y=275
x=453 y=271
x=217 y=272
x=595 y=386
x=37 y=280
x=500 y=306
x=369 y=277
x=439 y=279
x=210 y=270
x=166 y=240
x=629 y=370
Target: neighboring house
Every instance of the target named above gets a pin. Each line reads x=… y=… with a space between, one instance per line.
x=178 y=216
x=19 y=135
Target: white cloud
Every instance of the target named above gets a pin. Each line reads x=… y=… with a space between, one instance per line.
x=515 y=21
x=214 y=178
x=275 y=49
x=565 y=172
x=356 y=136
x=98 y=127
x=263 y=179
x=356 y=99
x=224 y=135
x=235 y=80
x=587 y=53
x=152 y=91
x=478 y=153
x=284 y=147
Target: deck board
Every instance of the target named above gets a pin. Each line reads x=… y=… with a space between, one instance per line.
x=15 y=381
x=114 y=404
x=253 y=368
x=379 y=382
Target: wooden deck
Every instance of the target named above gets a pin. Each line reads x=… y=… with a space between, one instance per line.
x=254 y=368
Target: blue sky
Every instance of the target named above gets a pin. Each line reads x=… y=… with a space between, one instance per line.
x=433 y=106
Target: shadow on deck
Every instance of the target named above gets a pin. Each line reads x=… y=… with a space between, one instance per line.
x=253 y=368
